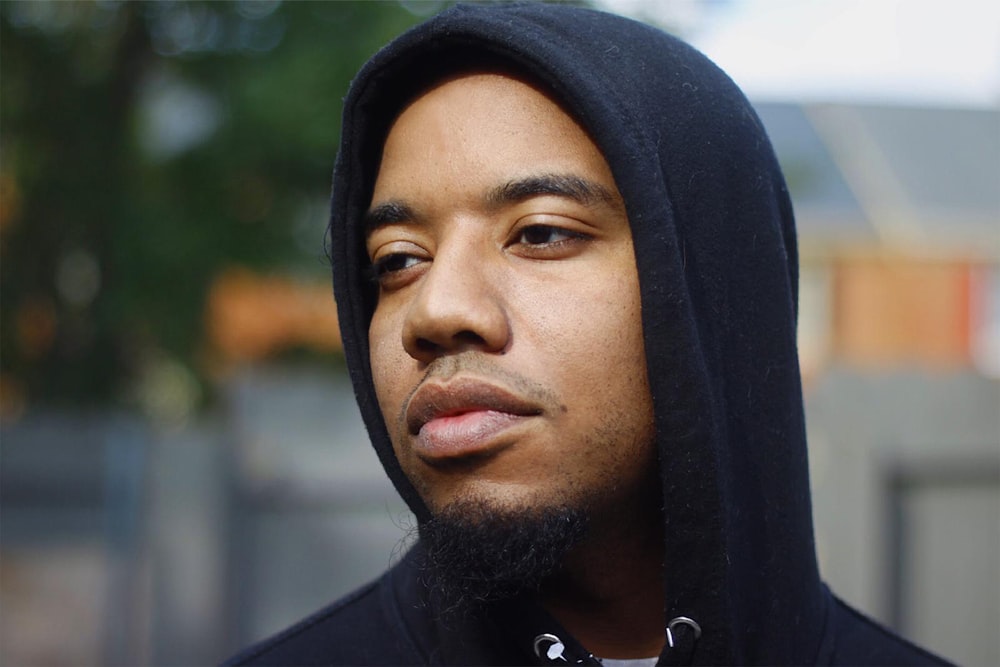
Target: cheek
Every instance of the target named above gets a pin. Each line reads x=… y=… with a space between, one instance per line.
x=593 y=347
x=594 y=327
x=598 y=369
x=385 y=357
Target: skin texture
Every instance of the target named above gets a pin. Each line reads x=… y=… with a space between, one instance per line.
x=506 y=346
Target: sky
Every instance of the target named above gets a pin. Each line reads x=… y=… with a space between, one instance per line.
x=917 y=52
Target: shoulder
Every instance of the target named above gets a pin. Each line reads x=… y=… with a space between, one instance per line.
x=861 y=641
x=359 y=629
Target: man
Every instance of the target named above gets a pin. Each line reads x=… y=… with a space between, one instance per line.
x=565 y=268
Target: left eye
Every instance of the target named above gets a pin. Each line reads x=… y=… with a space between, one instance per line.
x=545 y=235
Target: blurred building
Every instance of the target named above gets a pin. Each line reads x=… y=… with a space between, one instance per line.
x=898 y=210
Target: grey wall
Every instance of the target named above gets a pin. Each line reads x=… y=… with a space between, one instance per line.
x=906 y=496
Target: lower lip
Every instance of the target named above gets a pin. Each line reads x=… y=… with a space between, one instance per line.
x=467 y=434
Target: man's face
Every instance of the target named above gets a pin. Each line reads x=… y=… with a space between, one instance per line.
x=506 y=345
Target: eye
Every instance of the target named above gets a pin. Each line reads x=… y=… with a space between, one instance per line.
x=546 y=235
x=547 y=242
x=390 y=267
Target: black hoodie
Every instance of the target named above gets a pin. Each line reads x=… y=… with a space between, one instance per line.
x=715 y=247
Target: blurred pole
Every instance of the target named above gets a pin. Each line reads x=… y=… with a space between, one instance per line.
x=125 y=465
x=186 y=537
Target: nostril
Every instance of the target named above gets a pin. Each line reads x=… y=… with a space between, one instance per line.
x=470 y=338
x=425 y=346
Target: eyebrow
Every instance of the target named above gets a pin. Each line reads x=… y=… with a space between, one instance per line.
x=581 y=190
x=388 y=213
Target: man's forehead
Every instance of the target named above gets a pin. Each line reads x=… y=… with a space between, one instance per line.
x=468 y=107
x=456 y=92
x=487 y=74
x=432 y=72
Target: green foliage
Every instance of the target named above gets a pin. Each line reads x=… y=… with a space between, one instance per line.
x=143 y=147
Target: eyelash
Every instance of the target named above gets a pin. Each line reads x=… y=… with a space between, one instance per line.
x=570 y=236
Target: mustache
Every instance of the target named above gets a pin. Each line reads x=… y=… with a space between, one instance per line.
x=475 y=365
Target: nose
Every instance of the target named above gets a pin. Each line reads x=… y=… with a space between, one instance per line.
x=459 y=305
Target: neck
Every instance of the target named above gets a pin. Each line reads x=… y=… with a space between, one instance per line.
x=609 y=594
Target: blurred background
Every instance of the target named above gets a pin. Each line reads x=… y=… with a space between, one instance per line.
x=182 y=466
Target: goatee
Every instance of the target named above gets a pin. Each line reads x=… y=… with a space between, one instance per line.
x=477 y=553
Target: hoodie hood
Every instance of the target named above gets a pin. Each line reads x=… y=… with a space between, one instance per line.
x=715 y=247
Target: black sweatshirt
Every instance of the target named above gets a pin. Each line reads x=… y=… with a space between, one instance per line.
x=715 y=247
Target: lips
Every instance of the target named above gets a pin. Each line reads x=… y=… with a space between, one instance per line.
x=463 y=417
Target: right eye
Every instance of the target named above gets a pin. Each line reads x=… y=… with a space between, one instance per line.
x=393 y=266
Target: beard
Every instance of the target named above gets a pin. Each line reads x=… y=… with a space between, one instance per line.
x=478 y=553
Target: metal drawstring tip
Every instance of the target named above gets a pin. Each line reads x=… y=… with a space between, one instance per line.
x=554 y=650
x=681 y=620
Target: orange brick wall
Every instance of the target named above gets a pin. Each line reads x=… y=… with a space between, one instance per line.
x=251 y=317
x=893 y=311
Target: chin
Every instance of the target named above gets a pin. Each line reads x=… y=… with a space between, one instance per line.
x=487 y=547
